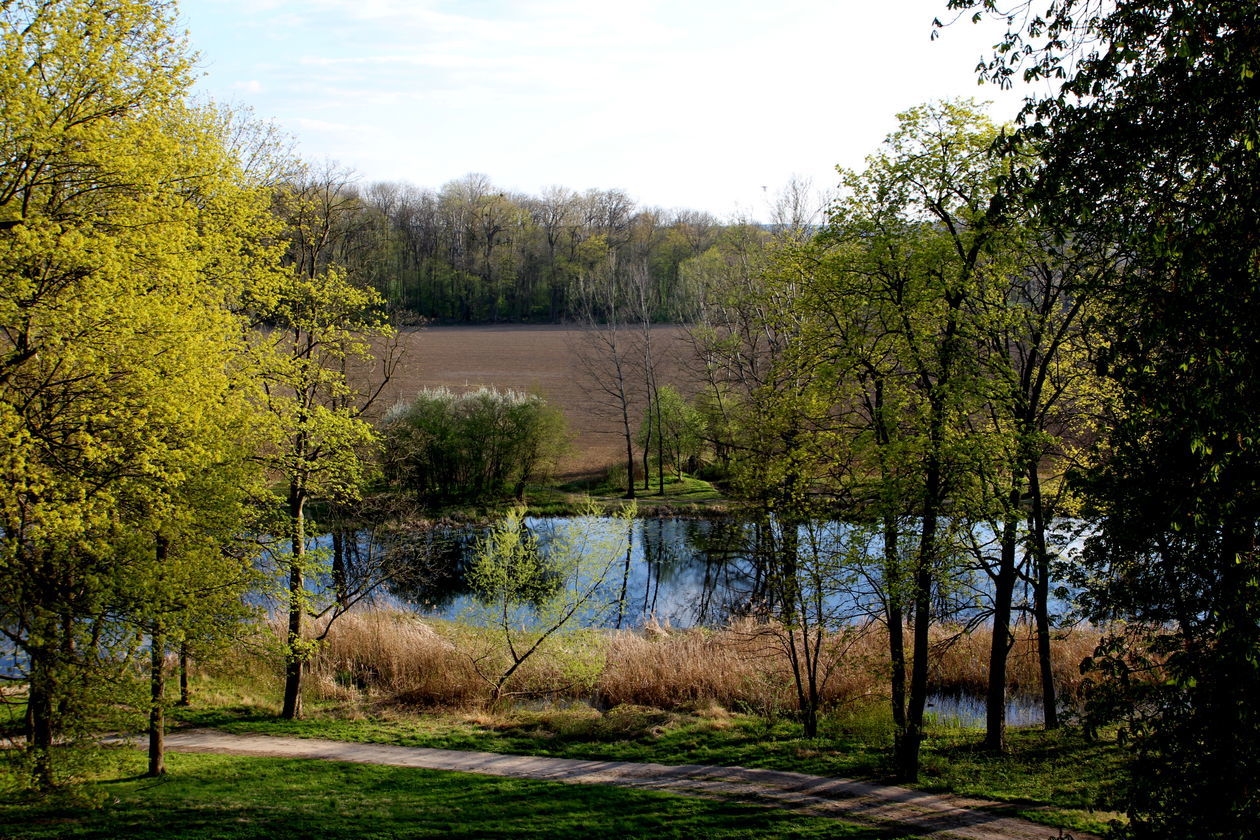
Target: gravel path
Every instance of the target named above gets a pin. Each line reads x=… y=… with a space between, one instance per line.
x=932 y=815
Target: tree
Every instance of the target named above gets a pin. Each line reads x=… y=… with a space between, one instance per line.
x=918 y=226
x=679 y=430
x=193 y=560
x=318 y=325
x=529 y=591
x=1044 y=401
x=127 y=230
x=605 y=352
x=1149 y=144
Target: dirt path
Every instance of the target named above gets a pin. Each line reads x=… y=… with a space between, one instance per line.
x=932 y=815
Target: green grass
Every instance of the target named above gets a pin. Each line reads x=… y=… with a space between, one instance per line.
x=235 y=798
x=1059 y=779
x=682 y=490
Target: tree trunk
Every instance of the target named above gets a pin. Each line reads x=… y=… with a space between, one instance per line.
x=660 y=452
x=39 y=717
x=340 y=589
x=157 y=711
x=895 y=612
x=1003 y=595
x=295 y=656
x=793 y=615
x=907 y=749
x=1041 y=604
x=183 y=674
x=896 y=626
x=647 y=449
x=629 y=456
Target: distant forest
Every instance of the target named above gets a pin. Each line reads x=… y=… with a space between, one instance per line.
x=473 y=253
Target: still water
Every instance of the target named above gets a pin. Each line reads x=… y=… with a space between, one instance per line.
x=701 y=572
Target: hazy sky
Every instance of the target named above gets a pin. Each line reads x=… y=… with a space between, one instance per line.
x=689 y=103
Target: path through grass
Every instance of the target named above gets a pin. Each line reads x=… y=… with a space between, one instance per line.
x=1059 y=779
x=235 y=798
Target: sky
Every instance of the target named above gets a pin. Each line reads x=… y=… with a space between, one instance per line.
x=710 y=105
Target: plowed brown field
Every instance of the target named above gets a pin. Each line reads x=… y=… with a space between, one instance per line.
x=543 y=359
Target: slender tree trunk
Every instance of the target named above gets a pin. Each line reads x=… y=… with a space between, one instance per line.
x=907 y=750
x=1041 y=603
x=295 y=656
x=629 y=464
x=183 y=674
x=39 y=716
x=894 y=610
x=647 y=462
x=660 y=451
x=896 y=625
x=794 y=618
x=1003 y=595
x=157 y=708
x=625 y=425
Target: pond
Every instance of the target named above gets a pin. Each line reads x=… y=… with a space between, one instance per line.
x=700 y=572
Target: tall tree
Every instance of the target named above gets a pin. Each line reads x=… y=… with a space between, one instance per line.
x=126 y=231
x=1150 y=143
x=1042 y=402
x=320 y=327
x=605 y=352
x=917 y=227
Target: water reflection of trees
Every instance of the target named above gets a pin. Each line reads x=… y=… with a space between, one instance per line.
x=437 y=559
x=679 y=571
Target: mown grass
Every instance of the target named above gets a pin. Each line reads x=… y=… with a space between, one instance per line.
x=682 y=495
x=676 y=697
x=235 y=798
x=677 y=488
x=1060 y=779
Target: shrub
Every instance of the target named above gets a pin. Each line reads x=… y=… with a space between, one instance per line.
x=475 y=445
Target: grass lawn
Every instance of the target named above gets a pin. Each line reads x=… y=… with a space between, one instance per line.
x=683 y=495
x=229 y=797
x=1059 y=779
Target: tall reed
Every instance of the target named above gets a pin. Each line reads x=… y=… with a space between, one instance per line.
x=396 y=657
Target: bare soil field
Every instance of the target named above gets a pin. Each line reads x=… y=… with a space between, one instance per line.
x=541 y=358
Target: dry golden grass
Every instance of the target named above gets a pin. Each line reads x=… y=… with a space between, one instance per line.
x=395 y=655
x=397 y=658
x=961 y=660
x=744 y=665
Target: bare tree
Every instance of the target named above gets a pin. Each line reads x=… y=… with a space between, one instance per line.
x=605 y=354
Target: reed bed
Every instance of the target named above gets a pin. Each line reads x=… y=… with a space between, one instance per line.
x=397 y=658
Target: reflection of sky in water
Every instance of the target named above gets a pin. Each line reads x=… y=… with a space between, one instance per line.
x=967 y=712
x=686 y=572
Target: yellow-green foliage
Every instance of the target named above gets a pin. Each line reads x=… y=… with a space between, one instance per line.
x=128 y=231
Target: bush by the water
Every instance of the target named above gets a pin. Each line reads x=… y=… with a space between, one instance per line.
x=479 y=444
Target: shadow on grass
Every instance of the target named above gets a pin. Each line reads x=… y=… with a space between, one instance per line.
x=211 y=796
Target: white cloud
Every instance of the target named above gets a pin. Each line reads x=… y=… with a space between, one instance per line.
x=695 y=103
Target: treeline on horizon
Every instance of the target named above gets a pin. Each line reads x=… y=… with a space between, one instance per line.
x=471 y=252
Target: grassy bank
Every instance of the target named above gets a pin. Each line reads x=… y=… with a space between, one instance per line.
x=235 y=798
x=1060 y=779
x=669 y=696
x=675 y=697
x=682 y=495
